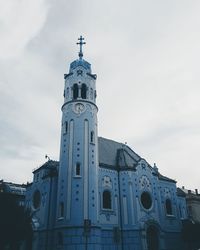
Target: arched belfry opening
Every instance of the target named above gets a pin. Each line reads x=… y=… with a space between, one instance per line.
x=152 y=238
x=75 y=91
x=83 y=91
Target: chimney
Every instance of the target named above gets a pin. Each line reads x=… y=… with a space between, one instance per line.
x=183 y=187
x=196 y=191
x=189 y=191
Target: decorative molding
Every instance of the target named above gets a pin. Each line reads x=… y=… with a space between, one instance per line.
x=106 y=182
x=144 y=183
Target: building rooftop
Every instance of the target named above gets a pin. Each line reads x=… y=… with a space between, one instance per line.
x=13 y=188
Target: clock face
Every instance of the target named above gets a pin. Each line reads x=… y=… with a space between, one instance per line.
x=79 y=108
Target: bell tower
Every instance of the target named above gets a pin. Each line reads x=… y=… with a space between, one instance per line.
x=77 y=200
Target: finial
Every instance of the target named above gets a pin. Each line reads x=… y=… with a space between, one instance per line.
x=155 y=167
x=47 y=157
x=81 y=44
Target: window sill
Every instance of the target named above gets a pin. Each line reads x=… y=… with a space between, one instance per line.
x=77 y=176
x=170 y=216
x=107 y=209
x=60 y=218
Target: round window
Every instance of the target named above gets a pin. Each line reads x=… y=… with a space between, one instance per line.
x=146 y=200
x=36 y=199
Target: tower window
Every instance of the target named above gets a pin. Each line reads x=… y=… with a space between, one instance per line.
x=168 y=207
x=75 y=91
x=92 y=136
x=107 y=200
x=83 y=91
x=91 y=94
x=78 y=169
x=61 y=209
x=67 y=93
x=65 y=127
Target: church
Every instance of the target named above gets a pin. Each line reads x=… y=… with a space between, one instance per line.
x=101 y=195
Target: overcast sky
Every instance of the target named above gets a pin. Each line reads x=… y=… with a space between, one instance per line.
x=146 y=55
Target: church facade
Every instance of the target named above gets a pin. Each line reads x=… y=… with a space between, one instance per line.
x=101 y=194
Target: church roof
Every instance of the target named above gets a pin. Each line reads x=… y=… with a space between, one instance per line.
x=50 y=165
x=116 y=155
x=165 y=178
x=113 y=154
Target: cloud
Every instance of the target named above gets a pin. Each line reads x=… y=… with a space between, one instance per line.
x=20 y=21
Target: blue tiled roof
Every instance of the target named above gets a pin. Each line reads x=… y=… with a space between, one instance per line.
x=80 y=62
x=114 y=154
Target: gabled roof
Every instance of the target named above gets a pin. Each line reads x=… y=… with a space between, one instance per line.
x=165 y=178
x=113 y=154
x=47 y=165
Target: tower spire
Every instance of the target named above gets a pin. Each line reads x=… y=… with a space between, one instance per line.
x=81 y=43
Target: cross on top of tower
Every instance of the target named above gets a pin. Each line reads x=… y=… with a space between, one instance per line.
x=81 y=43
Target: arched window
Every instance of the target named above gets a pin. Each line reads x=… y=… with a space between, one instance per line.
x=60 y=239
x=83 y=91
x=78 y=169
x=152 y=238
x=107 y=200
x=61 y=209
x=168 y=207
x=91 y=94
x=75 y=91
x=67 y=93
x=92 y=136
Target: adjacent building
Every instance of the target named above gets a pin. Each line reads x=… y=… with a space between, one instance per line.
x=17 y=191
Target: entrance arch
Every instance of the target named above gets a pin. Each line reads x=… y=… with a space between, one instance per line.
x=152 y=238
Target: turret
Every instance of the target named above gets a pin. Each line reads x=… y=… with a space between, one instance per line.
x=78 y=171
